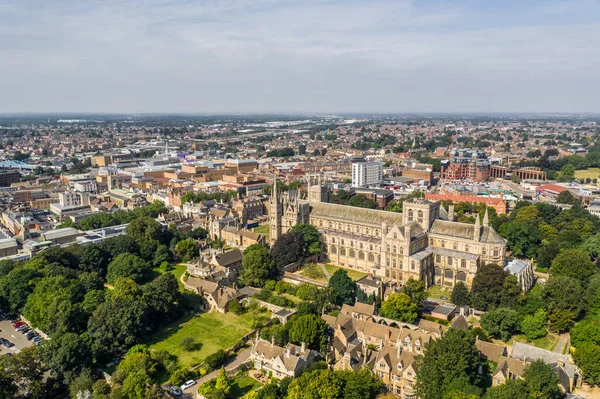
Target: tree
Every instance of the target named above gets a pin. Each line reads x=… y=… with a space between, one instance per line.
x=361 y=201
x=511 y=389
x=501 y=323
x=534 y=326
x=400 y=307
x=573 y=263
x=144 y=229
x=541 y=381
x=565 y=197
x=289 y=248
x=451 y=358
x=341 y=288
x=67 y=355
x=161 y=298
x=460 y=294
x=310 y=238
x=415 y=289
x=563 y=293
x=560 y=320
x=587 y=357
x=511 y=292
x=25 y=371
x=223 y=382
x=487 y=287
x=187 y=249
x=258 y=266
x=188 y=344
x=585 y=332
x=310 y=329
x=127 y=266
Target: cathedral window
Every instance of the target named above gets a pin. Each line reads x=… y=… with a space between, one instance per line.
x=395 y=236
x=342 y=251
x=438 y=258
x=333 y=250
x=410 y=215
x=370 y=247
x=463 y=263
x=361 y=255
x=401 y=251
x=443 y=244
x=449 y=261
x=495 y=251
x=388 y=247
x=351 y=253
x=420 y=216
x=395 y=249
x=371 y=258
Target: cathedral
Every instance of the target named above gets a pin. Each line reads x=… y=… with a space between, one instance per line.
x=422 y=242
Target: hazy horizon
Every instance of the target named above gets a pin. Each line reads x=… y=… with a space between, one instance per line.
x=316 y=57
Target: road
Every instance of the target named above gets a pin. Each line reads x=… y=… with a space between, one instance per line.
x=239 y=359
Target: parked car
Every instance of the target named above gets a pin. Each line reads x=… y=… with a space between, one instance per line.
x=37 y=339
x=18 y=324
x=173 y=390
x=22 y=328
x=31 y=335
x=6 y=343
x=187 y=384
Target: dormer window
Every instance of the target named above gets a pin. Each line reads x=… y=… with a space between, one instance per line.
x=399 y=366
x=417 y=342
x=382 y=365
x=407 y=339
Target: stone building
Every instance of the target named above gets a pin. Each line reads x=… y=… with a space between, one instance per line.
x=423 y=242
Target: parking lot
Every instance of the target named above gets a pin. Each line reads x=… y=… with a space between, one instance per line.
x=8 y=332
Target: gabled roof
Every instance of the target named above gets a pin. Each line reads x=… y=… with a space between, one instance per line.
x=466 y=230
x=354 y=214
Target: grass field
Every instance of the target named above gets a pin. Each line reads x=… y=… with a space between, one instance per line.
x=212 y=331
x=592 y=173
x=353 y=274
x=263 y=229
x=243 y=385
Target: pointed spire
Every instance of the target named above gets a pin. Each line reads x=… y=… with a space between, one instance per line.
x=477 y=229
x=486 y=221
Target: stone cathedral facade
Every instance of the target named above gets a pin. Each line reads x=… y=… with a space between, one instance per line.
x=422 y=242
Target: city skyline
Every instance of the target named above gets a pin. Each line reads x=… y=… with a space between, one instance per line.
x=256 y=57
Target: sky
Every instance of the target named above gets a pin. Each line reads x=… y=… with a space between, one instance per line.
x=299 y=56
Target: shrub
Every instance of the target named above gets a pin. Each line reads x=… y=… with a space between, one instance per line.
x=216 y=360
x=189 y=344
x=236 y=307
x=307 y=292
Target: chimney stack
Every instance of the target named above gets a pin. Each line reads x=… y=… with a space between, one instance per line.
x=272 y=341
x=302 y=347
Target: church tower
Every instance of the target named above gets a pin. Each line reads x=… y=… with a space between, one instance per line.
x=275 y=213
x=317 y=190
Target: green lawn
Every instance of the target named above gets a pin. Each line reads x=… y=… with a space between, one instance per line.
x=243 y=385
x=439 y=292
x=213 y=331
x=263 y=229
x=592 y=173
x=353 y=274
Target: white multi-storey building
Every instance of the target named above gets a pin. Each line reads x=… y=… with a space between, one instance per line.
x=366 y=173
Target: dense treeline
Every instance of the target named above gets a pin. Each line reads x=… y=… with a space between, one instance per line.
x=94 y=301
x=107 y=219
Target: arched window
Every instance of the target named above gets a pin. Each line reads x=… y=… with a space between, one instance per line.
x=395 y=236
x=410 y=215
x=394 y=263
x=437 y=271
x=443 y=244
x=333 y=250
x=438 y=258
x=401 y=251
x=388 y=247
x=395 y=249
x=448 y=273
x=351 y=253
x=343 y=251
x=420 y=216
x=371 y=258
x=463 y=263
x=449 y=260
x=461 y=276
x=361 y=255
x=412 y=264
x=483 y=251
x=495 y=251
x=370 y=247
x=333 y=240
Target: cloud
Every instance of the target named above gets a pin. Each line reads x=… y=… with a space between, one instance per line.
x=290 y=56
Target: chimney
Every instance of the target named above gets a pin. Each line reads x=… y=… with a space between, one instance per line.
x=287 y=352
x=302 y=347
x=451 y=212
x=272 y=341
